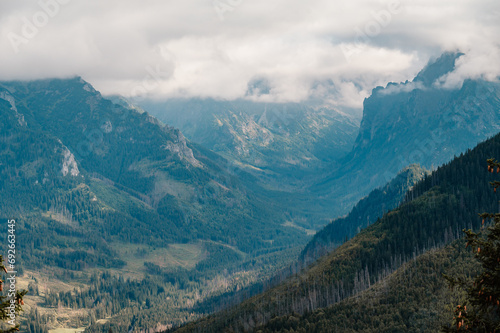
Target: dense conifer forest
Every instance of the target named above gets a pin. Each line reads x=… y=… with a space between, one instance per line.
x=433 y=215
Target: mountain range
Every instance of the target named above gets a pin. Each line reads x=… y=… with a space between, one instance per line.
x=148 y=221
x=282 y=145
x=331 y=160
x=98 y=187
x=389 y=277
x=412 y=122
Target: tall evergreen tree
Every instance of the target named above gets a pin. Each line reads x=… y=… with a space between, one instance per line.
x=481 y=311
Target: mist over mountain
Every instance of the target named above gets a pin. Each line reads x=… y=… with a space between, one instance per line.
x=214 y=209
x=413 y=122
x=424 y=122
x=312 y=151
x=235 y=166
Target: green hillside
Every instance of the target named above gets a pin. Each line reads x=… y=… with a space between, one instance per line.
x=435 y=212
x=128 y=165
x=415 y=298
x=102 y=191
x=366 y=211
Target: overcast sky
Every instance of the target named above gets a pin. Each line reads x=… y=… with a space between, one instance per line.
x=284 y=50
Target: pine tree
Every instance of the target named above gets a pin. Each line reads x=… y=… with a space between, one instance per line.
x=9 y=304
x=481 y=311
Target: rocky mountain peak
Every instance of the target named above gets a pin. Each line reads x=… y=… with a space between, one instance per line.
x=435 y=69
x=418 y=122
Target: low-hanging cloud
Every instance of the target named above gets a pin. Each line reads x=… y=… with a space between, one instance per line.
x=479 y=63
x=335 y=51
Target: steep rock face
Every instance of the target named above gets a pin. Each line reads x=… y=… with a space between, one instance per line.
x=5 y=95
x=419 y=122
x=69 y=165
x=413 y=122
x=179 y=147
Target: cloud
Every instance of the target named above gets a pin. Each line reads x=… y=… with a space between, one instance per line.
x=478 y=63
x=332 y=50
x=406 y=87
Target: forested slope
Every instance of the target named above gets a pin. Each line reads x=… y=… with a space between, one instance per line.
x=68 y=155
x=415 y=298
x=366 y=211
x=436 y=211
x=97 y=187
